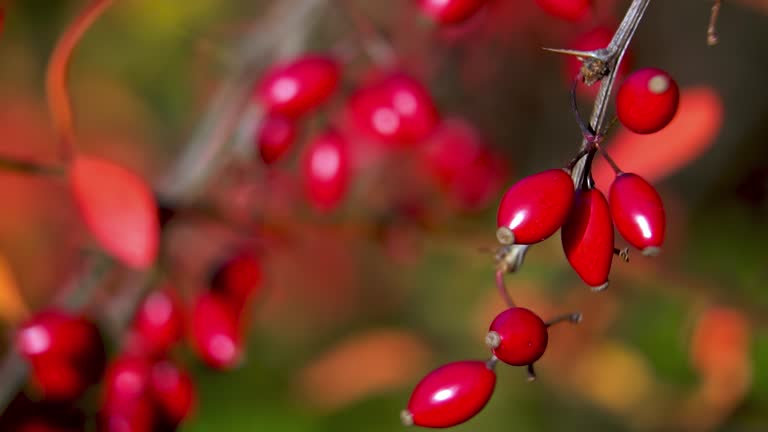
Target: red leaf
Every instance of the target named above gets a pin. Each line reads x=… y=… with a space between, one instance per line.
x=656 y=156
x=119 y=209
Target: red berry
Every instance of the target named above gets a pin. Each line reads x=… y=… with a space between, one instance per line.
x=276 y=135
x=237 y=278
x=450 y=395
x=536 y=206
x=119 y=209
x=587 y=237
x=299 y=86
x=135 y=416
x=638 y=212
x=396 y=109
x=326 y=170
x=569 y=10
x=215 y=335
x=450 y=11
x=158 y=324
x=58 y=380
x=518 y=336
x=173 y=391
x=647 y=100
x=126 y=380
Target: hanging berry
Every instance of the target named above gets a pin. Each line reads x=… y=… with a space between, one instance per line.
x=275 y=137
x=587 y=238
x=158 y=324
x=326 y=170
x=299 y=86
x=450 y=11
x=173 y=392
x=517 y=337
x=647 y=100
x=638 y=212
x=535 y=207
x=214 y=332
x=450 y=395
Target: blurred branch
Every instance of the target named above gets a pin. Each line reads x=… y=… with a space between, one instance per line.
x=28 y=167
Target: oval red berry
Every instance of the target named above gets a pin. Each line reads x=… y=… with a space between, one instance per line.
x=450 y=395
x=569 y=10
x=638 y=212
x=587 y=238
x=647 y=101
x=536 y=206
x=299 y=86
x=522 y=336
x=450 y=11
x=325 y=169
x=275 y=137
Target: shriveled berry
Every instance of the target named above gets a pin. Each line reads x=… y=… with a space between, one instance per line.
x=173 y=391
x=214 y=332
x=587 y=237
x=647 y=100
x=158 y=324
x=517 y=336
x=326 y=170
x=450 y=395
x=569 y=10
x=450 y=11
x=299 y=86
x=536 y=206
x=396 y=109
x=119 y=209
x=275 y=137
x=638 y=212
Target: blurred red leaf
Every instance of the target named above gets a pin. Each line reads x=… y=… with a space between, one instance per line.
x=118 y=208
x=656 y=156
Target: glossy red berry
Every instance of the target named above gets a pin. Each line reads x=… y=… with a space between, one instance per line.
x=647 y=100
x=275 y=137
x=214 y=332
x=326 y=170
x=587 y=237
x=569 y=10
x=638 y=212
x=173 y=391
x=536 y=206
x=450 y=11
x=517 y=336
x=158 y=324
x=238 y=277
x=299 y=86
x=395 y=109
x=450 y=395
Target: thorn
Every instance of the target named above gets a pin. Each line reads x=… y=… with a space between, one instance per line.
x=575 y=53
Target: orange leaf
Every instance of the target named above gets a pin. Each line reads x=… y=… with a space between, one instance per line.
x=119 y=209
x=655 y=156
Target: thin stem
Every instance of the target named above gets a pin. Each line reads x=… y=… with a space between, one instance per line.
x=712 y=38
x=610 y=160
x=531 y=373
x=574 y=318
x=375 y=46
x=503 y=288
x=29 y=167
x=59 y=101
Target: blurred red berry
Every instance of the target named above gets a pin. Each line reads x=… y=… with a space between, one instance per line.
x=647 y=100
x=126 y=380
x=23 y=414
x=238 y=277
x=519 y=336
x=569 y=10
x=325 y=168
x=158 y=324
x=450 y=395
x=450 y=11
x=173 y=391
x=296 y=87
x=214 y=333
x=638 y=212
x=587 y=238
x=536 y=206
x=275 y=137
x=395 y=109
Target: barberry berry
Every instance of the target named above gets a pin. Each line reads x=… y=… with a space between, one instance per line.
x=587 y=238
x=517 y=337
x=647 y=100
x=638 y=212
x=299 y=86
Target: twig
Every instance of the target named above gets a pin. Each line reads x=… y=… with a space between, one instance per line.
x=28 y=167
x=712 y=38
x=58 y=70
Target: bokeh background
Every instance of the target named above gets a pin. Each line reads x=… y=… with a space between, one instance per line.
x=358 y=305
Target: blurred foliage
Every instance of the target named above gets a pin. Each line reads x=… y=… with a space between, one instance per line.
x=144 y=75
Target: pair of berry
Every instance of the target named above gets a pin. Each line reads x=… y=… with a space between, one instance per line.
x=456 y=11
x=454 y=393
x=538 y=205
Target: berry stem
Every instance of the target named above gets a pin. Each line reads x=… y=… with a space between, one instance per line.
x=59 y=101
x=610 y=160
x=503 y=288
x=574 y=317
x=622 y=253
x=531 y=373
x=28 y=167
x=712 y=38
x=373 y=44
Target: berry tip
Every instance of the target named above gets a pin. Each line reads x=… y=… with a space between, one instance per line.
x=406 y=417
x=599 y=288
x=651 y=251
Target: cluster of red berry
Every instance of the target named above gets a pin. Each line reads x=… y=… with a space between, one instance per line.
x=145 y=388
x=532 y=210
